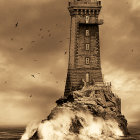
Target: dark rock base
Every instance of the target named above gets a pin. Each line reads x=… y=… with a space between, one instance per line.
x=99 y=103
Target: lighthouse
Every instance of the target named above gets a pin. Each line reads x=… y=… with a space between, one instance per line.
x=84 y=65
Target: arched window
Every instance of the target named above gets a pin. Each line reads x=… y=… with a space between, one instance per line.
x=87 y=19
x=87 y=47
x=87 y=60
x=87 y=32
x=87 y=77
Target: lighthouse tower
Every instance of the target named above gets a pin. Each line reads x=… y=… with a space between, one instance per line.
x=84 y=51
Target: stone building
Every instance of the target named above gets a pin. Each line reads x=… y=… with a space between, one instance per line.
x=84 y=51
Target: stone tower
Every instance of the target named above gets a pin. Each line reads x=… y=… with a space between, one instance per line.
x=84 y=51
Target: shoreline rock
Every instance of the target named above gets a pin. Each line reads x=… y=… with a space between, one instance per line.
x=99 y=103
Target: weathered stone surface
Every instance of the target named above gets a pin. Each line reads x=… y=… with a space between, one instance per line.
x=101 y=104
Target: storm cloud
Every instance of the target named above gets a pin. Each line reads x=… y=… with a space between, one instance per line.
x=33 y=64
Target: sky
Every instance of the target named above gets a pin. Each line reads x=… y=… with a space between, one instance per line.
x=33 y=64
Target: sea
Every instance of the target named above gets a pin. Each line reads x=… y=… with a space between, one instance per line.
x=11 y=133
x=15 y=133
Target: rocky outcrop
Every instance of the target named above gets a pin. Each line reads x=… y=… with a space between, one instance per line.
x=100 y=103
x=95 y=100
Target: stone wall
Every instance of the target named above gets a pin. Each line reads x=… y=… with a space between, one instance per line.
x=94 y=48
x=75 y=76
x=78 y=54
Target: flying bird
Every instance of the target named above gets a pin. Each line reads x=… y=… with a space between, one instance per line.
x=33 y=76
x=16 y=24
x=32 y=41
x=21 y=49
x=30 y=96
x=65 y=51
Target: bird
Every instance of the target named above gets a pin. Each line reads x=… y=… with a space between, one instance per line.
x=41 y=29
x=65 y=51
x=21 y=49
x=30 y=96
x=12 y=39
x=48 y=30
x=33 y=76
x=49 y=35
x=61 y=41
x=16 y=24
x=132 y=50
x=32 y=41
x=35 y=60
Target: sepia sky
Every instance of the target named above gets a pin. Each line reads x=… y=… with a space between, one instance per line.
x=33 y=64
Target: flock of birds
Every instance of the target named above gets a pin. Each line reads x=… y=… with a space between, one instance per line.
x=49 y=34
x=17 y=24
x=21 y=49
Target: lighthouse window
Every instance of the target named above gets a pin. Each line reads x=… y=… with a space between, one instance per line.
x=87 y=61
x=87 y=32
x=87 y=19
x=87 y=47
x=87 y=77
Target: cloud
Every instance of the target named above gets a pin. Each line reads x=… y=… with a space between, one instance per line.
x=120 y=35
x=27 y=104
x=126 y=85
x=36 y=47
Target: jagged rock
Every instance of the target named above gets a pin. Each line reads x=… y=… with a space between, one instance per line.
x=99 y=103
x=75 y=126
x=110 y=104
x=35 y=136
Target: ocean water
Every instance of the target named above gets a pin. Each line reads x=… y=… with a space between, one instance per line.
x=15 y=133
x=134 y=129
x=11 y=133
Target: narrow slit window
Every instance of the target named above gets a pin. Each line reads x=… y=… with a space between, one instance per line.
x=87 y=61
x=87 y=19
x=87 y=47
x=87 y=77
x=87 y=32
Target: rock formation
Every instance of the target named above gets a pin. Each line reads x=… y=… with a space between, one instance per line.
x=92 y=113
